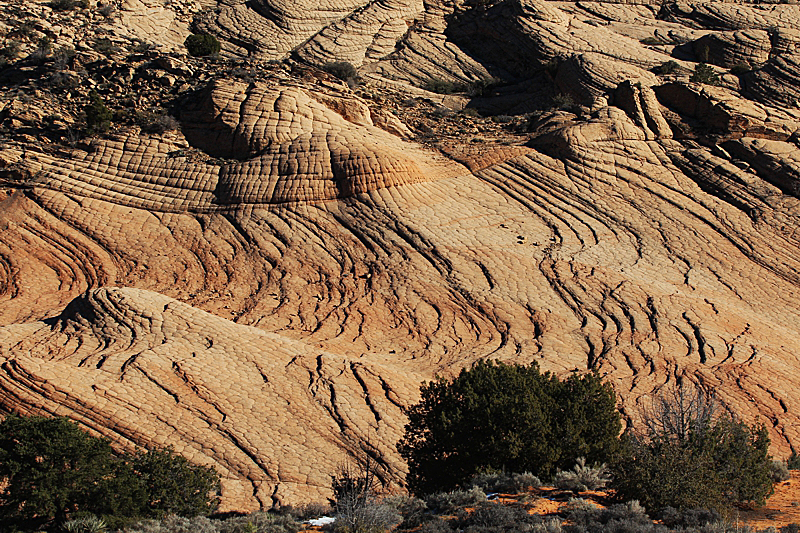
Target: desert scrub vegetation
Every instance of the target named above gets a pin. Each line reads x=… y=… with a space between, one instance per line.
x=202 y=45
x=53 y=473
x=668 y=67
x=355 y=503
x=495 y=416
x=506 y=483
x=448 y=501
x=582 y=477
x=343 y=70
x=442 y=86
x=68 y=5
x=688 y=457
x=98 y=115
x=477 y=88
x=705 y=74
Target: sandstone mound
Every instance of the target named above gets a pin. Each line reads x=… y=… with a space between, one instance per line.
x=141 y=368
x=735 y=16
x=288 y=147
x=777 y=82
x=739 y=48
x=590 y=76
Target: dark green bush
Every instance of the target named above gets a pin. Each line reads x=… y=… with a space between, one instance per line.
x=667 y=67
x=53 y=471
x=441 y=86
x=739 y=69
x=651 y=41
x=793 y=462
x=705 y=74
x=506 y=417
x=343 y=70
x=700 y=462
x=68 y=5
x=51 y=468
x=98 y=115
x=105 y=46
x=174 y=485
x=200 y=45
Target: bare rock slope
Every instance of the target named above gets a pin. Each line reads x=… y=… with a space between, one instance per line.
x=265 y=287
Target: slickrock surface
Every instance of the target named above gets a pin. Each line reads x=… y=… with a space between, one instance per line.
x=259 y=263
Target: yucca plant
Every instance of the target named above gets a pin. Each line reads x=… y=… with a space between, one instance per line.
x=86 y=524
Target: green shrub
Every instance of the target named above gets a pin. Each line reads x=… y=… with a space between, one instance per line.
x=502 y=482
x=779 y=471
x=410 y=508
x=106 y=10
x=483 y=86
x=512 y=417
x=705 y=74
x=668 y=67
x=98 y=115
x=44 y=47
x=53 y=470
x=260 y=522
x=651 y=41
x=700 y=462
x=446 y=502
x=10 y=52
x=201 y=45
x=563 y=102
x=174 y=485
x=441 y=86
x=740 y=68
x=343 y=70
x=105 y=46
x=582 y=477
x=156 y=122
x=793 y=462
x=493 y=516
x=68 y=5
x=86 y=524
x=688 y=518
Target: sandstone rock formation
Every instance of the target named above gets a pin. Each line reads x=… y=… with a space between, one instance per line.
x=266 y=285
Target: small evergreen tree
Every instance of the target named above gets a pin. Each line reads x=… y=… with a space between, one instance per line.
x=98 y=115
x=705 y=74
x=199 y=45
x=502 y=417
x=174 y=485
x=343 y=70
x=52 y=469
x=689 y=459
